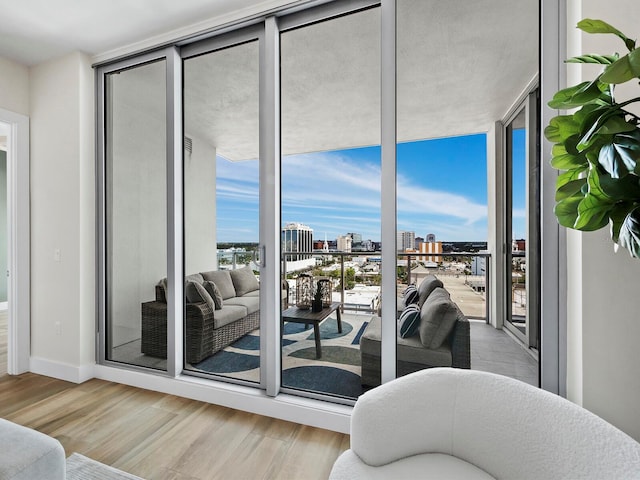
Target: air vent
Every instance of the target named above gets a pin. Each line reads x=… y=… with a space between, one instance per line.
x=188 y=145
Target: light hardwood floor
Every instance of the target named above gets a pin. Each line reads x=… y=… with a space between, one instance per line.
x=158 y=436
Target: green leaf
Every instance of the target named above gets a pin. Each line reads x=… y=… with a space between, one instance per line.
x=620 y=189
x=576 y=96
x=598 y=26
x=567 y=211
x=568 y=161
x=617 y=217
x=560 y=128
x=593 y=213
x=618 y=72
x=629 y=235
x=609 y=123
x=622 y=155
x=569 y=184
x=593 y=58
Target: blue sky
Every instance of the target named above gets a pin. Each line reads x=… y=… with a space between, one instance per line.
x=441 y=186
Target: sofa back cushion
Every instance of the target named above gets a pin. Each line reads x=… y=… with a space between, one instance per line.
x=244 y=280
x=437 y=318
x=428 y=284
x=222 y=279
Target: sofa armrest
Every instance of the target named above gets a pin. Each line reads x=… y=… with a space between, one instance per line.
x=461 y=343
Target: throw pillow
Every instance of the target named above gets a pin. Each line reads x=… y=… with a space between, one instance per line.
x=196 y=293
x=244 y=280
x=409 y=321
x=410 y=295
x=222 y=279
x=212 y=290
x=428 y=284
x=161 y=291
x=437 y=319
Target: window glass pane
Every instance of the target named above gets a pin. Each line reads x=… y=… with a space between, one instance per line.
x=331 y=202
x=136 y=210
x=221 y=205
x=459 y=71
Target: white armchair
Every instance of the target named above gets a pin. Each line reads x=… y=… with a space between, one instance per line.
x=451 y=423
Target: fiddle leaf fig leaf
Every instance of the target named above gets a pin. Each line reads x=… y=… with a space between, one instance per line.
x=593 y=213
x=566 y=211
x=567 y=188
x=622 y=155
x=593 y=58
x=620 y=189
x=560 y=128
x=598 y=26
x=578 y=95
x=618 y=72
x=629 y=233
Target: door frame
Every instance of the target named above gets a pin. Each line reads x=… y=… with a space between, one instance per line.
x=18 y=259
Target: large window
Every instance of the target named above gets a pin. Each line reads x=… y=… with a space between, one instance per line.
x=252 y=173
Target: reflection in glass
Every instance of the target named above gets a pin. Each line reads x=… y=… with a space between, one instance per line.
x=330 y=74
x=221 y=213
x=136 y=185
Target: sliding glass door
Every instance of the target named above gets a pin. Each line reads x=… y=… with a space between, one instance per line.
x=136 y=215
x=330 y=199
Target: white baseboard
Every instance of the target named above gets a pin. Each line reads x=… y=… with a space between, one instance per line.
x=300 y=410
x=61 y=371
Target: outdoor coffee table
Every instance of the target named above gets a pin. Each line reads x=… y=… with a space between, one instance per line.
x=298 y=315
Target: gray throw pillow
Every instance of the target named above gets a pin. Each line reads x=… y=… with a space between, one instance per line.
x=409 y=321
x=161 y=291
x=428 y=284
x=212 y=290
x=244 y=280
x=222 y=279
x=196 y=293
x=437 y=319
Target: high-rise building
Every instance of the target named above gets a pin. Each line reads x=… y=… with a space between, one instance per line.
x=344 y=243
x=406 y=241
x=297 y=237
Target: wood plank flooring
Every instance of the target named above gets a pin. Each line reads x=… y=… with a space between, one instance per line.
x=164 y=437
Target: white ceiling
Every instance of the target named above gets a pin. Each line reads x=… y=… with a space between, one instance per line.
x=461 y=65
x=32 y=31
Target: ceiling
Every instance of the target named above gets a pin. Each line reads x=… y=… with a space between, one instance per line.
x=33 y=31
x=461 y=65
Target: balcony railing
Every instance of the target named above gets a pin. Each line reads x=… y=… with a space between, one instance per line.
x=465 y=275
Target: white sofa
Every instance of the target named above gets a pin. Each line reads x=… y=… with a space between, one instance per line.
x=449 y=423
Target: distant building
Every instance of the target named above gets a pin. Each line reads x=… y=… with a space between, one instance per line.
x=431 y=247
x=405 y=241
x=431 y=238
x=297 y=237
x=343 y=243
x=417 y=242
x=479 y=265
x=519 y=245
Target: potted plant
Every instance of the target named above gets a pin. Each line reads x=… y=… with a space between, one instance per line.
x=597 y=147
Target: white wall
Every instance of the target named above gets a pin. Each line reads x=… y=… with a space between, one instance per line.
x=14 y=87
x=603 y=300
x=200 y=249
x=62 y=215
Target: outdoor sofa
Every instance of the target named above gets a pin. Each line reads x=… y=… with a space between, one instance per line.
x=442 y=339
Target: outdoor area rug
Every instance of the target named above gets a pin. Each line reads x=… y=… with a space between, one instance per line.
x=337 y=372
x=80 y=467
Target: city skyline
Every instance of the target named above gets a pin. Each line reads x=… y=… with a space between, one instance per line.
x=441 y=189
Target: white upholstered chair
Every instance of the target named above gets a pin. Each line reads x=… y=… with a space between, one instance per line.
x=446 y=423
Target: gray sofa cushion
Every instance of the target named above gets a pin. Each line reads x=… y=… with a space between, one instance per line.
x=228 y=314
x=428 y=284
x=408 y=349
x=252 y=304
x=244 y=280
x=196 y=293
x=196 y=277
x=437 y=319
x=212 y=289
x=222 y=279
